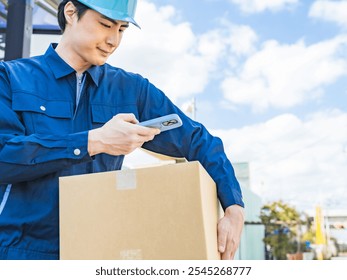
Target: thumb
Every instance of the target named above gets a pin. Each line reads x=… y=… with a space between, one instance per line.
x=128 y=118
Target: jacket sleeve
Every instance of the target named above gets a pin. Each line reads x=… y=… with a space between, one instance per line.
x=192 y=141
x=27 y=157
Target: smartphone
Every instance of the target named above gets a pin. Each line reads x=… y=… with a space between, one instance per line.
x=164 y=123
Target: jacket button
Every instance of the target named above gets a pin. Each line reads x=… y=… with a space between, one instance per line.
x=42 y=108
x=77 y=152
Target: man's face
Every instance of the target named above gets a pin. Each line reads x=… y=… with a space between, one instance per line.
x=94 y=37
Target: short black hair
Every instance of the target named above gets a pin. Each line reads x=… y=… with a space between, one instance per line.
x=80 y=9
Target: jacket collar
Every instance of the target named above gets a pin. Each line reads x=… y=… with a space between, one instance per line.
x=61 y=69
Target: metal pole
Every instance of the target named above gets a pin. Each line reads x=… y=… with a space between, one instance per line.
x=18 y=29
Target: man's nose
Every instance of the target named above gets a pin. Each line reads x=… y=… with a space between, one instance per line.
x=113 y=40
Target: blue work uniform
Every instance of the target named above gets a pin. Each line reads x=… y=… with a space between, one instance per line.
x=44 y=135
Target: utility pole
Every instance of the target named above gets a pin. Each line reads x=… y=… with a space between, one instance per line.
x=190 y=107
x=194 y=108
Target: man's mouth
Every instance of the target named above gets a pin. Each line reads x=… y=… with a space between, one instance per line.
x=104 y=52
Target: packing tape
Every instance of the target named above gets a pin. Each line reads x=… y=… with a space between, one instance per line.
x=134 y=254
x=126 y=180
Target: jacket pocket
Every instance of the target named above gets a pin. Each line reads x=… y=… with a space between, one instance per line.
x=102 y=113
x=41 y=115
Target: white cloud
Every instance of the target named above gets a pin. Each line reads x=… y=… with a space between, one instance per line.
x=242 y=39
x=257 y=6
x=302 y=162
x=286 y=75
x=334 y=11
x=166 y=52
x=175 y=59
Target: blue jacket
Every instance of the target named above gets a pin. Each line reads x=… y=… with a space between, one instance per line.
x=44 y=135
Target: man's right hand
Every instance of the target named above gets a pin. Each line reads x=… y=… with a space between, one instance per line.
x=119 y=136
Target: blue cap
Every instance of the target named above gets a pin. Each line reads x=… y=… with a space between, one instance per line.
x=123 y=10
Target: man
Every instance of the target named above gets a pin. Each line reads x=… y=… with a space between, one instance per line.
x=68 y=112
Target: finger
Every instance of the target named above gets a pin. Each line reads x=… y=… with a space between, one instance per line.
x=147 y=131
x=149 y=138
x=222 y=238
x=227 y=252
x=225 y=256
x=128 y=118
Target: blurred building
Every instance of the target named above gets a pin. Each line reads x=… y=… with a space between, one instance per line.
x=20 y=19
x=252 y=246
x=336 y=228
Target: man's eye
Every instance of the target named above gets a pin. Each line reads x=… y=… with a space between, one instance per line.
x=105 y=25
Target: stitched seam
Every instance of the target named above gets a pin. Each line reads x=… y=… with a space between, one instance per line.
x=5 y=197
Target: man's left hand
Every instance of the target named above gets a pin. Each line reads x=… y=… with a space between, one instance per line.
x=229 y=231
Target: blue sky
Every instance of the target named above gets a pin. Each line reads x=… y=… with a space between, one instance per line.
x=286 y=23
x=269 y=78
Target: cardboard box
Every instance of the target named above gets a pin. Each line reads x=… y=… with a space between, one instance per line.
x=166 y=212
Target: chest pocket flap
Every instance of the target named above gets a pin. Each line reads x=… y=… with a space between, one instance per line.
x=102 y=113
x=27 y=102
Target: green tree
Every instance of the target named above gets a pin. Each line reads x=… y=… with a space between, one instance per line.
x=281 y=226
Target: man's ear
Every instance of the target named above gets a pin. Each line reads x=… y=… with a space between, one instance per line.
x=70 y=12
